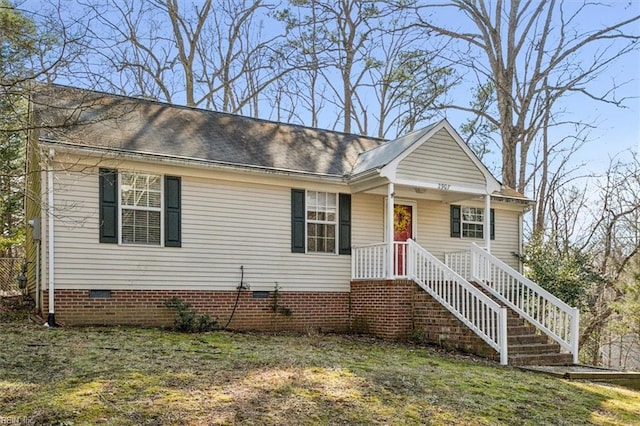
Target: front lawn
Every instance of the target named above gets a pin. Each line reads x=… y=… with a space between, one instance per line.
x=145 y=376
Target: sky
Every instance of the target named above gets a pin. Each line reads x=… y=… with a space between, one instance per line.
x=616 y=130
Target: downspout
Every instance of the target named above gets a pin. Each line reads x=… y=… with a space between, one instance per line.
x=390 y=256
x=51 y=318
x=38 y=290
x=520 y=242
x=487 y=222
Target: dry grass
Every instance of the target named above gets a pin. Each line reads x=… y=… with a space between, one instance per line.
x=145 y=376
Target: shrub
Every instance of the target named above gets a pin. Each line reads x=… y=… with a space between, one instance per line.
x=189 y=320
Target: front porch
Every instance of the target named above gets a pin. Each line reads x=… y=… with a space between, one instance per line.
x=474 y=302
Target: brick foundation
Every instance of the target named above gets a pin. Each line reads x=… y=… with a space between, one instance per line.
x=390 y=309
x=400 y=309
x=310 y=311
x=382 y=308
x=433 y=323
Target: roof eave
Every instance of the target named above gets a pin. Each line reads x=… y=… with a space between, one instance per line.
x=110 y=153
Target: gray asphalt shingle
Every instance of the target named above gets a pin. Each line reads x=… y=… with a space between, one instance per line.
x=97 y=120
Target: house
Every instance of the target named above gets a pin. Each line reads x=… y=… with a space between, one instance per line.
x=270 y=225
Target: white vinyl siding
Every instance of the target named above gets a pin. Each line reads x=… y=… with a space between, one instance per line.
x=441 y=160
x=367 y=219
x=434 y=232
x=225 y=225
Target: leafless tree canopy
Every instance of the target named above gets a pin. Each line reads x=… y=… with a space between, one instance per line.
x=532 y=53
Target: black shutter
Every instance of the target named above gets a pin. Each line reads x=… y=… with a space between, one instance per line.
x=297 y=221
x=345 y=224
x=455 y=221
x=492 y=224
x=108 y=215
x=172 y=212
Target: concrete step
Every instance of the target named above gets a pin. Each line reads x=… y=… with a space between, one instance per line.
x=541 y=359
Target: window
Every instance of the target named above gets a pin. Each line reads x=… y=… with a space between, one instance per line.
x=320 y=222
x=468 y=222
x=139 y=208
x=472 y=222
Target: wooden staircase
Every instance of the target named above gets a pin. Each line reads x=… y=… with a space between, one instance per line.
x=526 y=345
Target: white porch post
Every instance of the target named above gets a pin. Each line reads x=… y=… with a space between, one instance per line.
x=487 y=222
x=390 y=195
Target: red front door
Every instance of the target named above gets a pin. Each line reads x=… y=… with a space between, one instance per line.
x=402 y=231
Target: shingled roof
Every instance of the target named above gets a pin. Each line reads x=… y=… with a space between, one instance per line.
x=81 y=118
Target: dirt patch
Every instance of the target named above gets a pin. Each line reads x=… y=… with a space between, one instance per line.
x=16 y=308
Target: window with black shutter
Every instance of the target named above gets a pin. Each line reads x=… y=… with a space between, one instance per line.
x=320 y=222
x=136 y=208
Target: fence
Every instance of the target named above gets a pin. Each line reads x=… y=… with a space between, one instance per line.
x=10 y=268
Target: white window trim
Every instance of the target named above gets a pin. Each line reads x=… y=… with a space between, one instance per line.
x=462 y=222
x=121 y=206
x=325 y=222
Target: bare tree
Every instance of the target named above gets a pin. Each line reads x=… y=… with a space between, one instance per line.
x=407 y=79
x=32 y=46
x=533 y=54
x=214 y=56
x=589 y=250
x=363 y=60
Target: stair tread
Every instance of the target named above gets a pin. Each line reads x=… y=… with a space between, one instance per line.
x=527 y=338
x=550 y=345
x=541 y=359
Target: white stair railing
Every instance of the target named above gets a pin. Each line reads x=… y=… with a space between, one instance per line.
x=470 y=305
x=544 y=310
x=459 y=261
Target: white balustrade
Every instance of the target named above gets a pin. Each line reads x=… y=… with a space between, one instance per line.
x=470 y=305
x=459 y=261
x=369 y=262
x=544 y=310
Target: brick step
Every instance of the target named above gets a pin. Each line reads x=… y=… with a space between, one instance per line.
x=520 y=330
x=541 y=359
x=535 y=348
x=526 y=339
x=514 y=322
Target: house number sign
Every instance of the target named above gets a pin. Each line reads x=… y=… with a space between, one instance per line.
x=444 y=186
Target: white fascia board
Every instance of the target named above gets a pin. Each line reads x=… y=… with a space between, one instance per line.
x=110 y=154
x=439 y=187
x=368 y=184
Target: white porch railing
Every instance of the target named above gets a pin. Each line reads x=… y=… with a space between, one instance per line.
x=544 y=310
x=471 y=306
x=369 y=262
